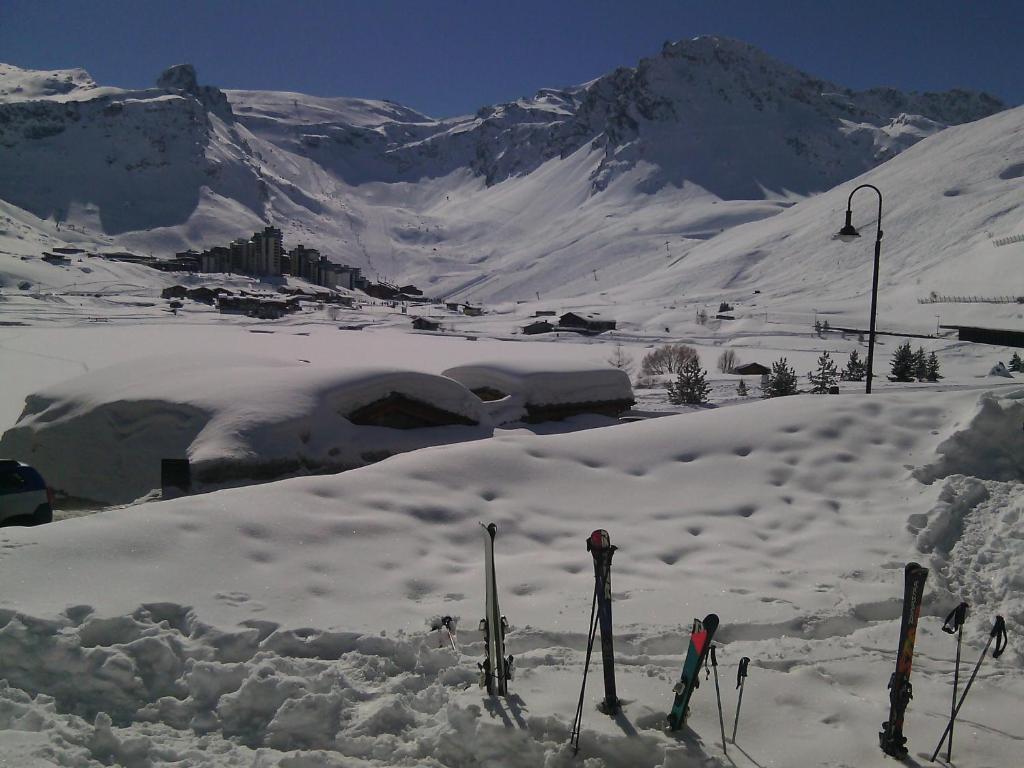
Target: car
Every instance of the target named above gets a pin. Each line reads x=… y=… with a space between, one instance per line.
x=25 y=499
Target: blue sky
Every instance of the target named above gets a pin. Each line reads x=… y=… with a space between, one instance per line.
x=447 y=57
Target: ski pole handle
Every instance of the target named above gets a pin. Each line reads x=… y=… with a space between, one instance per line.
x=742 y=671
x=955 y=619
x=999 y=633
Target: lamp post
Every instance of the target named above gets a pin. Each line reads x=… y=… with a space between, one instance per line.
x=848 y=234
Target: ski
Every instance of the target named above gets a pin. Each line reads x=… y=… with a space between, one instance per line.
x=496 y=669
x=891 y=737
x=700 y=643
x=600 y=546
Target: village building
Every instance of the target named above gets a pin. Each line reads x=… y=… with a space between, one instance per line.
x=590 y=323
x=268 y=247
x=541 y=326
x=751 y=369
x=1002 y=337
x=423 y=324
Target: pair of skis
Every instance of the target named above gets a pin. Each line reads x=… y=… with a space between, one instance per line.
x=891 y=738
x=496 y=668
x=600 y=547
x=701 y=636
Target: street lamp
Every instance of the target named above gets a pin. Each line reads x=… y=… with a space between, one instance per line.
x=850 y=234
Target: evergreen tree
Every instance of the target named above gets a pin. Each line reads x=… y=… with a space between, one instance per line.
x=741 y=389
x=920 y=364
x=781 y=381
x=690 y=388
x=903 y=363
x=856 y=369
x=1016 y=364
x=825 y=377
x=932 y=368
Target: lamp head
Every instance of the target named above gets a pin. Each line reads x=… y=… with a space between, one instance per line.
x=848 y=233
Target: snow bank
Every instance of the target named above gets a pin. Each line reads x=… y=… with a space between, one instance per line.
x=101 y=436
x=990 y=445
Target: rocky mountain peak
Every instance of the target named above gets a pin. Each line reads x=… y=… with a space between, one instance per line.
x=182 y=77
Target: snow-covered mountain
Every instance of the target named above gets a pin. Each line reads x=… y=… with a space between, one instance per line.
x=537 y=195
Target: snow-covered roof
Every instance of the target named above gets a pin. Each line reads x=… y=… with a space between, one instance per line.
x=101 y=436
x=548 y=384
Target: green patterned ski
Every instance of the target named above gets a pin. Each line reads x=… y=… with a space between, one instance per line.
x=700 y=644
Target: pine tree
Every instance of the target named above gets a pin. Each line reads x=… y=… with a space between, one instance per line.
x=920 y=364
x=690 y=388
x=856 y=369
x=903 y=364
x=823 y=379
x=741 y=389
x=1016 y=364
x=932 y=368
x=781 y=381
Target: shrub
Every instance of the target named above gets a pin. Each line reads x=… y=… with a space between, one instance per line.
x=667 y=358
x=727 y=361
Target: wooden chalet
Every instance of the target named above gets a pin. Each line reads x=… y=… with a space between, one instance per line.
x=399 y=411
x=423 y=324
x=751 y=369
x=571 y=321
x=541 y=326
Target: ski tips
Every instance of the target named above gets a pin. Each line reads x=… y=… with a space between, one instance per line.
x=491 y=528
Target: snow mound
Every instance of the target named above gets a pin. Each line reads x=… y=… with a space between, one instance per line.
x=337 y=697
x=101 y=436
x=990 y=446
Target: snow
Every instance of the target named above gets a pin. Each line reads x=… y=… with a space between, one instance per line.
x=287 y=623
x=101 y=436
x=550 y=384
x=252 y=618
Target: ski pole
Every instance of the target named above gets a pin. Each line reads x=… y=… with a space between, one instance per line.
x=449 y=625
x=955 y=623
x=718 y=695
x=998 y=634
x=577 y=723
x=741 y=678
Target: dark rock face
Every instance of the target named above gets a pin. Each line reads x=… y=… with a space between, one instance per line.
x=182 y=77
